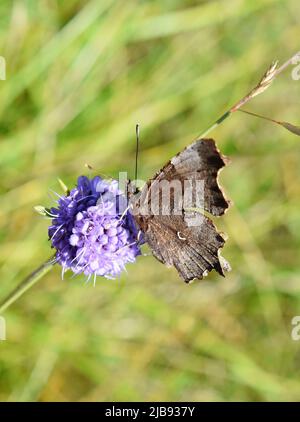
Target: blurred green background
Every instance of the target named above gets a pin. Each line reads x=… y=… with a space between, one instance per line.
x=80 y=75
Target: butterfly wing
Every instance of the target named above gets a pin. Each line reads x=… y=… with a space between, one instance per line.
x=187 y=240
x=200 y=161
x=193 y=251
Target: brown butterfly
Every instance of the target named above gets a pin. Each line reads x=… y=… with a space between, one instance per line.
x=177 y=233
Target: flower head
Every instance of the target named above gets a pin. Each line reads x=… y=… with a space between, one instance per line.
x=92 y=230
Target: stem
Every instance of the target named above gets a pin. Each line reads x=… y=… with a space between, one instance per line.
x=27 y=283
x=292 y=60
x=217 y=122
x=258 y=115
x=261 y=87
x=288 y=126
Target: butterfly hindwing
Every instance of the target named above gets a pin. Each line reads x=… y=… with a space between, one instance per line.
x=193 y=251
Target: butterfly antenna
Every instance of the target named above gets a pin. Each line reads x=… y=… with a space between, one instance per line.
x=137 y=134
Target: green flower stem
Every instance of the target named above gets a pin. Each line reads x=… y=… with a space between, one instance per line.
x=26 y=284
x=217 y=123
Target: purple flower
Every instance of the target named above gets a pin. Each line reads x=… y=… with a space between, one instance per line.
x=92 y=230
